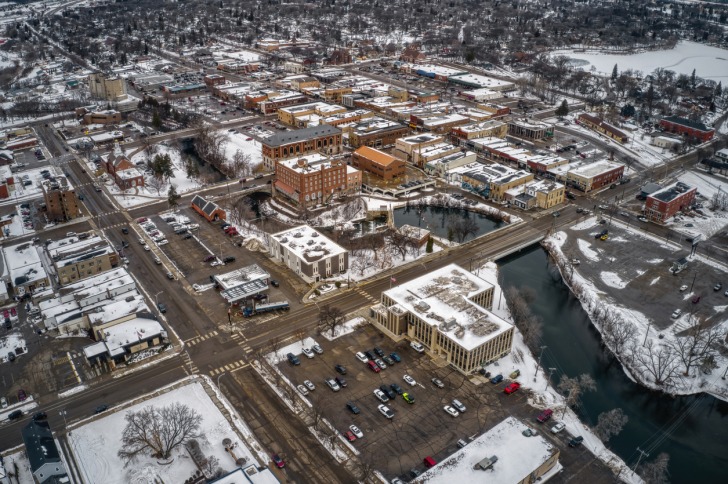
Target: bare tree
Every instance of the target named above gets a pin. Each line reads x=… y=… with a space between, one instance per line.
x=617 y=332
x=330 y=318
x=519 y=305
x=240 y=165
x=610 y=424
x=158 y=431
x=656 y=472
x=156 y=183
x=700 y=344
x=573 y=388
x=658 y=362
x=211 y=466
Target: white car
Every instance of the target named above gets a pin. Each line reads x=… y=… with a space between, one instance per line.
x=309 y=384
x=451 y=410
x=355 y=430
x=417 y=347
x=163 y=242
x=3 y=402
x=459 y=406
x=642 y=219
x=384 y=410
x=362 y=357
x=381 y=364
x=308 y=353
x=676 y=313
x=141 y=241
x=70 y=234
x=558 y=428
x=215 y=263
x=411 y=381
x=303 y=390
x=683 y=287
x=381 y=396
x=317 y=349
x=146 y=247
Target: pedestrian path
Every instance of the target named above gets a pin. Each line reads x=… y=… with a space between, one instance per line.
x=368 y=296
x=190 y=366
x=235 y=365
x=242 y=341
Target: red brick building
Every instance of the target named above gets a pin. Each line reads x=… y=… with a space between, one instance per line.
x=125 y=174
x=381 y=164
x=598 y=125
x=313 y=180
x=295 y=144
x=666 y=202
x=210 y=210
x=214 y=80
x=685 y=127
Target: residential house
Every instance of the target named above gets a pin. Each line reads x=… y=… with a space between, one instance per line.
x=125 y=174
x=46 y=463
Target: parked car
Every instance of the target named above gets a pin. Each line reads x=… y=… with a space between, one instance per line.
x=396 y=389
x=353 y=408
x=576 y=441
x=15 y=415
x=695 y=299
x=378 y=351
x=340 y=369
x=274 y=283
x=381 y=363
x=308 y=353
x=361 y=357
x=545 y=415
x=387 y=391
x=417 y=347
x=395 y=357
x=317 y=349
x=512 y=388
x=303 y=390
x=369 y=355
x=3 y=402
x=384 y=410
x=162 y=308
x=333 y=385
x=558 y=427
x=341 y=381
x=459 y=406
x=373 y=366
x=381 y=396
x=22 y=395
x=389 y=361
x=683 y=287
x=349 y=435
x=101 y=408
x=451 y=411
x=676 y=313
x=408 y=397
x=355 y=430
x=717 y=287
x=309 y=384
x=410 y=381
x=280 y=463
x=438 y=383
x=293 y=359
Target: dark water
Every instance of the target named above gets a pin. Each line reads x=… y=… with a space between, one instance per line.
x=439 y=220
x=692 y=430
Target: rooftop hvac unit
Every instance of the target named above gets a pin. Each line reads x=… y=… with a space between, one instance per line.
x=422 y=306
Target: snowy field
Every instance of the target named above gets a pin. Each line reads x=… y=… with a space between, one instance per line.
x=96 y=443
x=708 y=62
x=244 y=143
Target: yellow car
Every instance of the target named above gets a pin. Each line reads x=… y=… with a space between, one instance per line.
x=604 y=237
x=408 y=398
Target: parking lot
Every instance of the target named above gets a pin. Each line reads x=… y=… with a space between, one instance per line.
x=198 y=253
x=417 y=430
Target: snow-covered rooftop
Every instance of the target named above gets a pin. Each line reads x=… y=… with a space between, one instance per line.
x=443 y=298
x=24 y=264
x=517 y=457
x=308 y=244
x=118 y=309
x=593 y=169
x=119 y=336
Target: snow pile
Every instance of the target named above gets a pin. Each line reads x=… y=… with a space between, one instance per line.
x=612 y=279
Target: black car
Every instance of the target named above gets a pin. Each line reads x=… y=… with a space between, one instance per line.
x=101 y=408
x=125 y=231
x=187 y=236
x=340 y=369
x=379 y=351
x=388 y=360
x=353 y=408
x=162 y=308
x=395 y=357
x=40 y=416
x=387 y=391
x=397 y=389
x=576 y=441
x=228 y=259
x=369 y=355
x=274 y=283
x=601 y=234
x=15 y=415
x=341 y=381
x=293 y=359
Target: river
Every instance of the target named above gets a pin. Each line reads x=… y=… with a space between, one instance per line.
x=438 y=220
x=691 y=429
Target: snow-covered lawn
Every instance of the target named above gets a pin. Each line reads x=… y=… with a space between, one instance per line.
x=10 y=343
x=348 y=327
x=709 y=62
x=96 y=442
x=244 y=143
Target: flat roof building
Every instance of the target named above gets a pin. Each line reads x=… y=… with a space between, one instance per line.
x=448 y=311
x=666 y=202
x=294 y=144
x=309 y=254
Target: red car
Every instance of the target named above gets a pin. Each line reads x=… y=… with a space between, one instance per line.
x=696 y=299
x=280 y=463
x=513 y=387
x=350 y=436
x=21 y=395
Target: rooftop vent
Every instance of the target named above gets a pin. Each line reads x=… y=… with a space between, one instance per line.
x=422 y=306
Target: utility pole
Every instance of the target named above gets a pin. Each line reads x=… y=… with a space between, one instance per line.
x=642 y=454
x=693 y=283
x=538 y=365
x=548 y=378
x=649 y=322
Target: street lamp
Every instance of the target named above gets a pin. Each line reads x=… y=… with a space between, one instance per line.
x=538 y=365
x=156 y=299
x=548 y=378
x=62 y=413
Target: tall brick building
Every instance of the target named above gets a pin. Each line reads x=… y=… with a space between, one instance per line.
x=314 y=179
x=295 y=144
x=666 y=202
x=60 y=199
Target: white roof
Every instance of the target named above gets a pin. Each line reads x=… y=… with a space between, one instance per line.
x=23 y=261
x=517 y=455
x=308 y=244
x=483 y=81
x=124 y=334
x=593 y=169
x=118 y=309
x=443 y=296
x=437 y=70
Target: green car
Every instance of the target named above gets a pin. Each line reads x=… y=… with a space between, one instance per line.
x=409 y=398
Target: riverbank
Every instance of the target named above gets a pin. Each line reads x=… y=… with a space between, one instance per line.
x=542 y=393
x=655 y=359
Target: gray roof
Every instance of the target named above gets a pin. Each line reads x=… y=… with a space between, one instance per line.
x=39 y=444
x=288 y=137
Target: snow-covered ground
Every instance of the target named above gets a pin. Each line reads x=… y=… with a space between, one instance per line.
x=709 y=62
x=10 y=343
x=593 y=298
x=348 y=327
x=96 y=442
x=244 y=143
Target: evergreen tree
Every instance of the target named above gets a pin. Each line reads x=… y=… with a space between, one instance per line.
x=562 y=110
x=719 y=89
x=692 y=79
x=428 y=248
x=156 y=120
x=173 y=197
x=615 y=73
